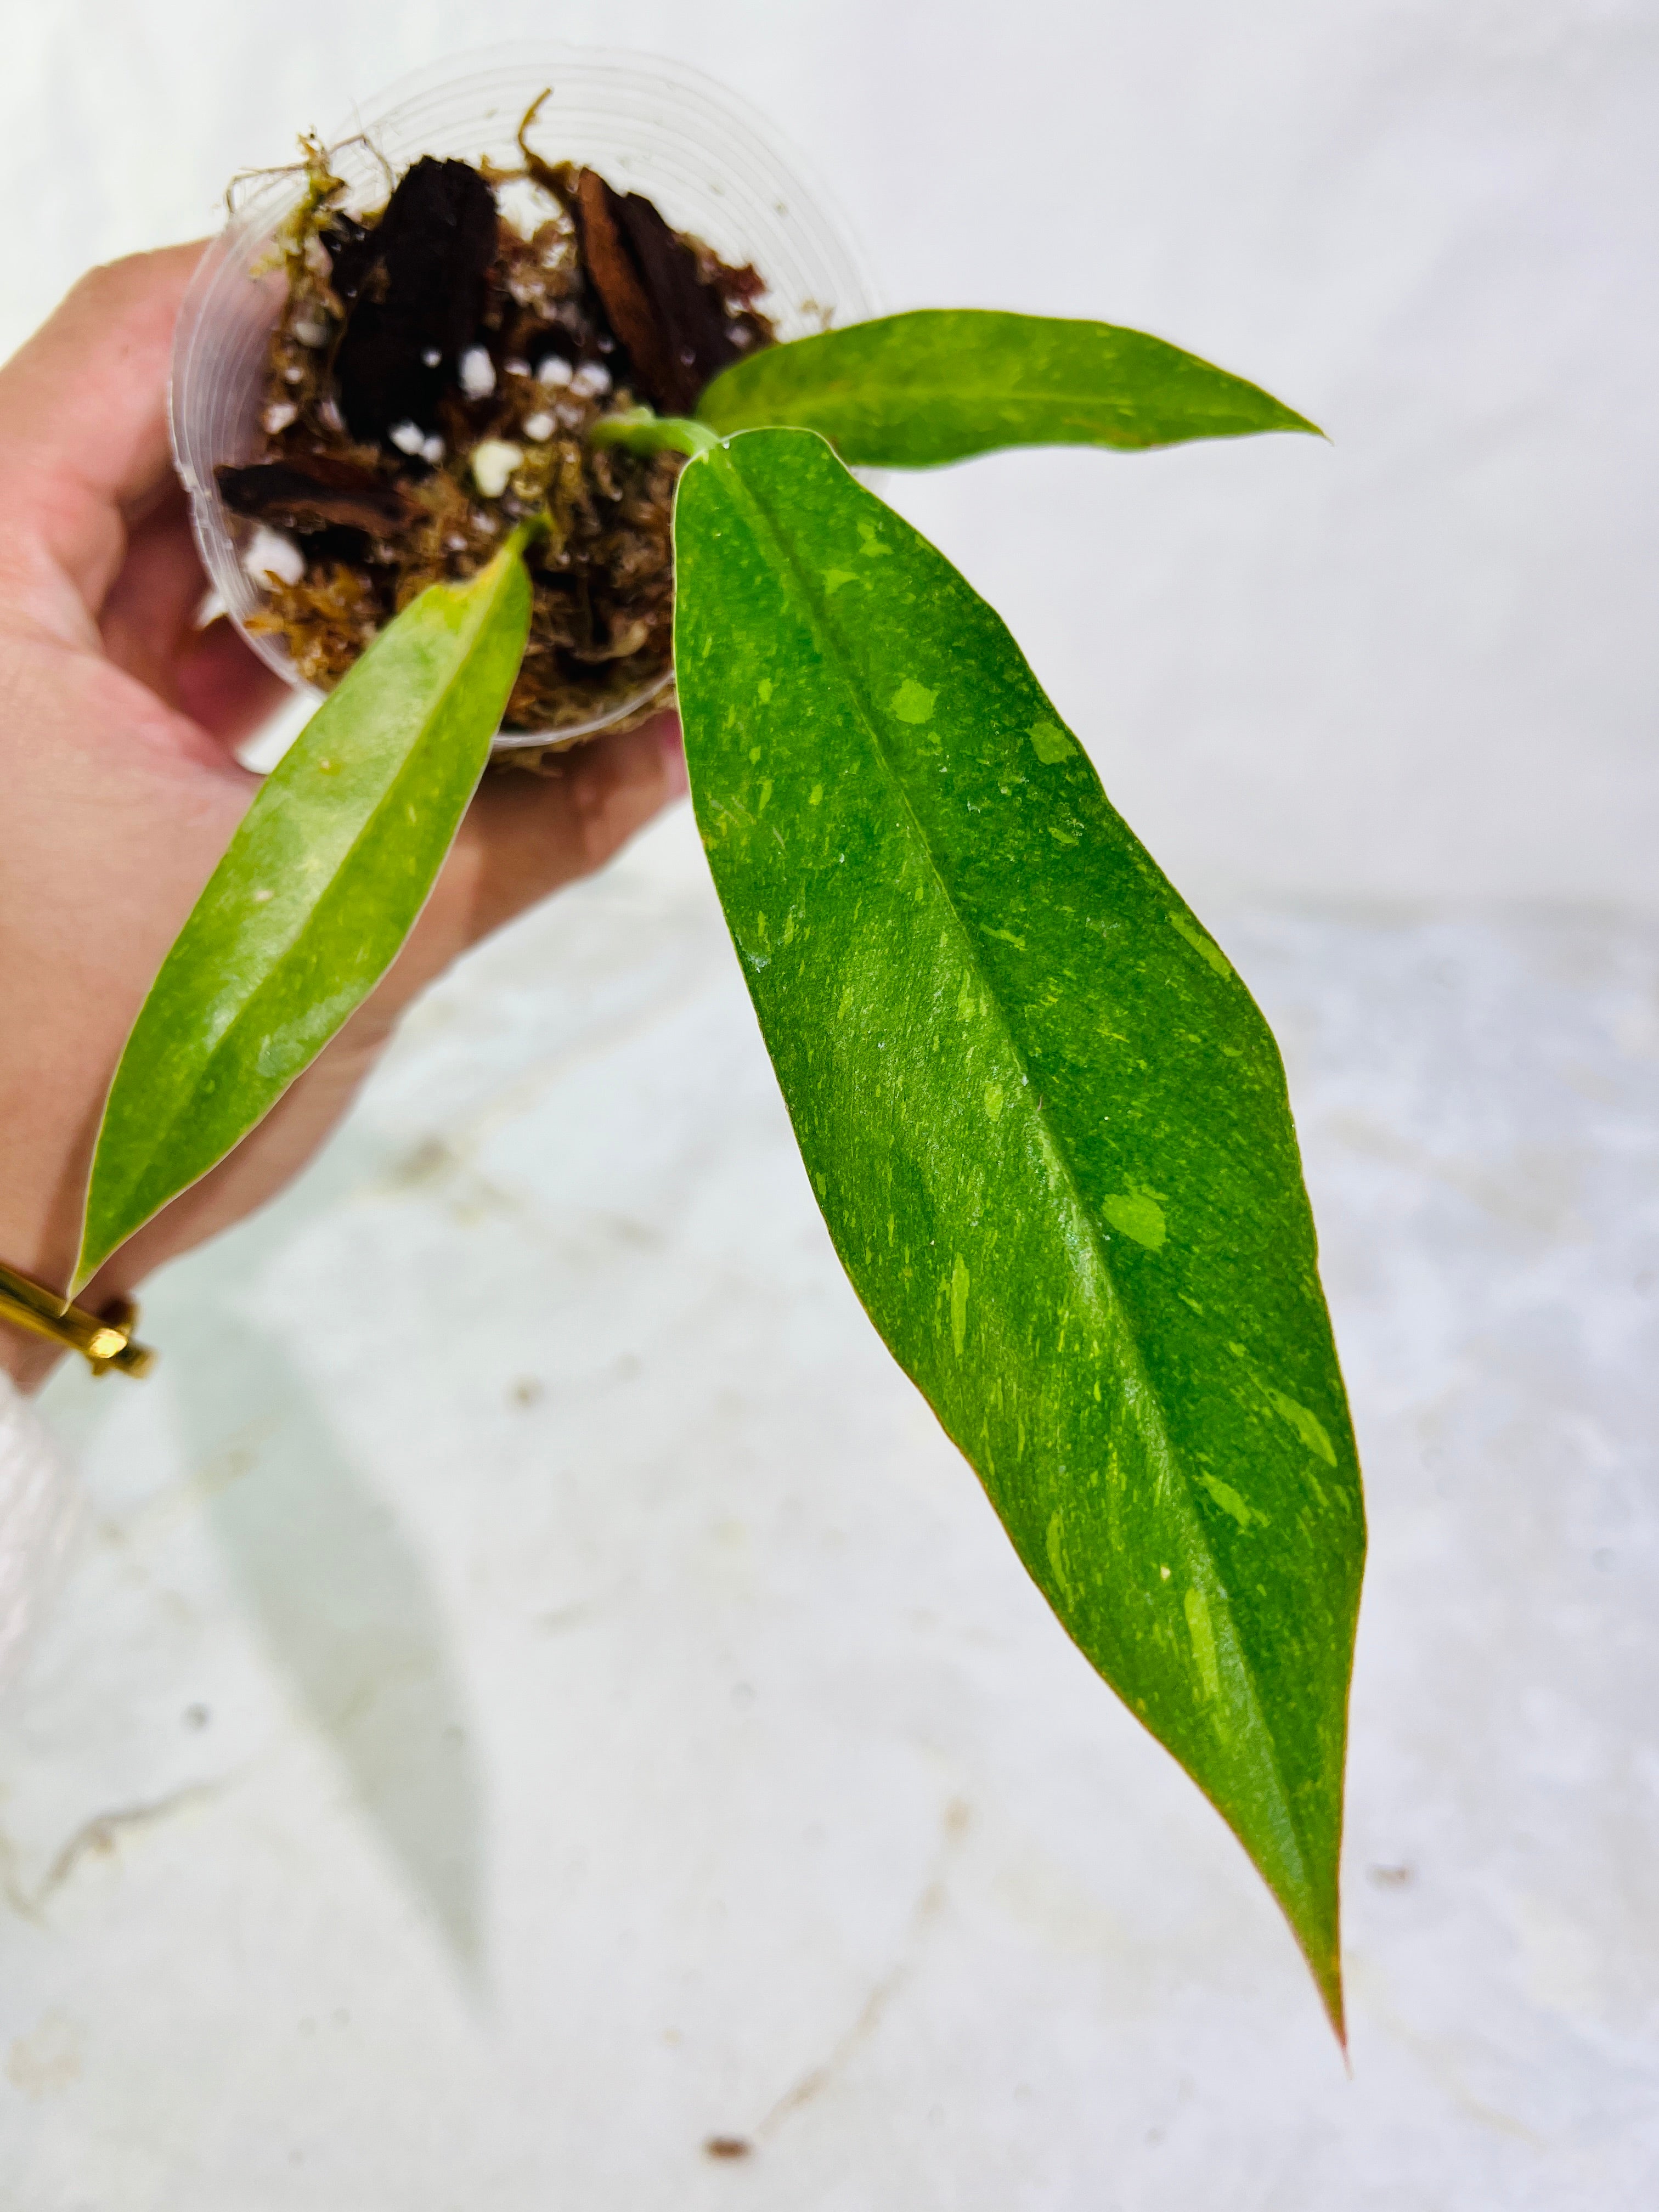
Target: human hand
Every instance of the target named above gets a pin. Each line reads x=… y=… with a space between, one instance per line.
x=121 y=790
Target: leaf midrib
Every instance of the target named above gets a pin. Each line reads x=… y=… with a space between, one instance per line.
x=768 y=372
x=993 y=389
x=831 y=644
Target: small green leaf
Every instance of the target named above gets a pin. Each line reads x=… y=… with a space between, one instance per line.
x=912 y=390
x=318 y=888
x=1048 y=1131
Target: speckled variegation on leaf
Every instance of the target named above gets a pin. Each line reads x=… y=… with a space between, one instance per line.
x=1046 y=1124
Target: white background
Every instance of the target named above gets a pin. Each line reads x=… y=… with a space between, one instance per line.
x=536 y=1690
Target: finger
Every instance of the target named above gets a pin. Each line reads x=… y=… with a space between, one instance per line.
x=517 y=846
x=83 y=440
x=521 y=845
x=149 y=626
x=525 y=837
x=149 y=611
x=222 y=684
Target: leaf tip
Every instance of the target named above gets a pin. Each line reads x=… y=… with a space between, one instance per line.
x=94 y=1250
x=1319 y=1942
x=1328 y=1979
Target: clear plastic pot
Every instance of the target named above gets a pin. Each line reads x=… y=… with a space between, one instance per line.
x=649 y=126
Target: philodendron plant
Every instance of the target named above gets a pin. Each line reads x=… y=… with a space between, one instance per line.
x=1045 y=1121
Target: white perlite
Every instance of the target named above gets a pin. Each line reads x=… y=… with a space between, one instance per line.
x=478 y=374
x=493 y=463
x=410 y=438
x=272 y=553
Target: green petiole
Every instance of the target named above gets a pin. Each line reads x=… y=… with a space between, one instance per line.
x=638 y=430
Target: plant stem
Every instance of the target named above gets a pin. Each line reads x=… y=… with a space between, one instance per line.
x=640 y=431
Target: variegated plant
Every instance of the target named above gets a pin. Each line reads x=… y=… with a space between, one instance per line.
x=1046 y=1124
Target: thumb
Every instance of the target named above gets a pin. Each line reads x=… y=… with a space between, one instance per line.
x=526 y=835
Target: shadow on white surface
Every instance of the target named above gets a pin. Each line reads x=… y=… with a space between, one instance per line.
x=346 y=1607
x=784 y=1812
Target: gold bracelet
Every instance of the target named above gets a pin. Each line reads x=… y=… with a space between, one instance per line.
x=104 y=1340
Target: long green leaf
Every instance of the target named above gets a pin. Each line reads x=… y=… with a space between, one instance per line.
x=912 y=390
x=1046 y=1124
x=318 y=888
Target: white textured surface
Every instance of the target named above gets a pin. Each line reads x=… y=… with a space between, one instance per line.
x=540 y=1692
x=37 y=1521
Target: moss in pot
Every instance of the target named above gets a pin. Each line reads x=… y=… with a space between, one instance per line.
x=1046 y=1124
x=433 y=380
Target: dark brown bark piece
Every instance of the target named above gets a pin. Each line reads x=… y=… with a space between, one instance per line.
x=418 y=285
x=622 y=295
x=673 y=325
x=307 y=495
x=691 y=314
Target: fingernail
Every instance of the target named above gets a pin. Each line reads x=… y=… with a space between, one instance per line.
x=674 y=777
